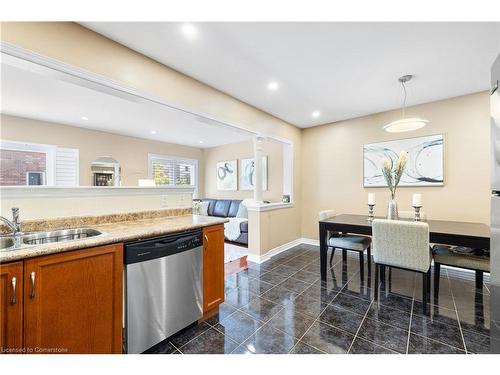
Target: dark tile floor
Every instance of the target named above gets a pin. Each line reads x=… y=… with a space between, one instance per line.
x=281 y=306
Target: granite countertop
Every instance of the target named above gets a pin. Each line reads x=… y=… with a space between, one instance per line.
x=115 y=233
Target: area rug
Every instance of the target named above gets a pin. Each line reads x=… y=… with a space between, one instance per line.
x=233 y=252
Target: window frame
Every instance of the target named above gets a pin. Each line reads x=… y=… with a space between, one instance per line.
x=194 y=162
x=50 y=159
x=48 y=150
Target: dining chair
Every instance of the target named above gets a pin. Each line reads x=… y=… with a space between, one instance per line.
x=405 y=215
x=404 y=245
x=348 y=242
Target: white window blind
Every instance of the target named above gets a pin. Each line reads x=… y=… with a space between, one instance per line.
x=172 y=171
x=67 y=171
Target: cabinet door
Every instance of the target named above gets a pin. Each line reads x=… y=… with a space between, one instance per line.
x=73 y=301
x=11 y=307
x=213 y=267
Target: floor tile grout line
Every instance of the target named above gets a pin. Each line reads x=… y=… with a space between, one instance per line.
x=310 y=284
x=486 y=287
x=456 y=312
x=411 y=315
x=232 y=339
x=187 y=342
x=306 y=344
x=343 y=290
x=360 y=324
x=437 y=341
x=316 y=320
x=176 y=348
x=261 y=295
x=262 y=326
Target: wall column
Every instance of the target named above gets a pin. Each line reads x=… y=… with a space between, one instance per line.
x=257 y=155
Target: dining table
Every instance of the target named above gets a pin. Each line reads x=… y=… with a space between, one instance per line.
x=455 y=233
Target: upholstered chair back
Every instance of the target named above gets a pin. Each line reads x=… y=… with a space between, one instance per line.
x=402 y=244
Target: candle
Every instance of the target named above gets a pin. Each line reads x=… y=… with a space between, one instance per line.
x=417 y=200
x=371 y=198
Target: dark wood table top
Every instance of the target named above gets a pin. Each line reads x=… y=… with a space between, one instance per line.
x=439 y=229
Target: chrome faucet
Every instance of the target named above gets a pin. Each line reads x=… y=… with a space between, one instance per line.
x=15 y=224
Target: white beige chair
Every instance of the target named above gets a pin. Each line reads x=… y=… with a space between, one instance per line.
x=349 y=242
x=405 y=245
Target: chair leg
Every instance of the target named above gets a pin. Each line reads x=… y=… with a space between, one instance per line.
x=361 y=266
x=369 y=255
x=382 y=276
x=344 y=255
x=424 y=292
x=437 y=276
x=390 y=279
x=479 y=279
x=331 y=256
x=376 y=280
x=429 y=285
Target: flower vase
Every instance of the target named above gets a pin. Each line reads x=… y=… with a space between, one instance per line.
x=392 y=210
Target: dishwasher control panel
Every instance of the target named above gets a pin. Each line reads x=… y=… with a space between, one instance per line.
x=140 y=251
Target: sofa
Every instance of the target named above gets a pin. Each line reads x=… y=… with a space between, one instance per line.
x=229 y=208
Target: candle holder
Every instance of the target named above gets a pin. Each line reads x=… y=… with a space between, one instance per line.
x=370 y=212
x=417 y=213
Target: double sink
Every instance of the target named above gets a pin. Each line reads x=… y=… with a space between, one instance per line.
x=9 y=243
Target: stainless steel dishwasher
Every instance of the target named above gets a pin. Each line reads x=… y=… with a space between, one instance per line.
x=163 y=288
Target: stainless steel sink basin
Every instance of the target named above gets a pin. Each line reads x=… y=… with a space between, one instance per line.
x=6 y=242
x=59 y=236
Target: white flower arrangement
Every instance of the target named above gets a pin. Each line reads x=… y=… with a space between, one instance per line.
x=196 y=207
x=392 y=175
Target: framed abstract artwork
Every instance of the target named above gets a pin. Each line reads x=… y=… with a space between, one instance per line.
x=227 y=175
x=247 y=174
x=425 y=166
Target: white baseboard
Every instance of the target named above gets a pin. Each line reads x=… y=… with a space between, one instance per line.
x=309 y=241
x=279 y=249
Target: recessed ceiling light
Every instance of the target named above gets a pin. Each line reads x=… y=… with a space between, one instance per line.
x=316 y=114
x=153 y=131
x=84 y=118
x=201 y=142
x=189 y=30
x=272 y=86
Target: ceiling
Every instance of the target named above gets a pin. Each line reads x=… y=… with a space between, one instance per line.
x=342 y=70
x=32 y=91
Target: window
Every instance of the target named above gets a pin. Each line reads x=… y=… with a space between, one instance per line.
x=173 y=171
x=23 y=164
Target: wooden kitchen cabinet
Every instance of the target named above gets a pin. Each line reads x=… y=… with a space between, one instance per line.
x=11 y=307
x=73 y=301
x=213 y=268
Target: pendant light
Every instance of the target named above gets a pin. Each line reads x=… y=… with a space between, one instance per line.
x=409 y=123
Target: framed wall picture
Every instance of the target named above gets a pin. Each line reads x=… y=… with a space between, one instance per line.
x=227 y=175
x=247 y=174
x=425 y=166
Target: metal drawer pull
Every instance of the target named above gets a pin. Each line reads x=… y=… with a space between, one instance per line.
x=32 y=294
x=14 y=292
x=206 y=238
